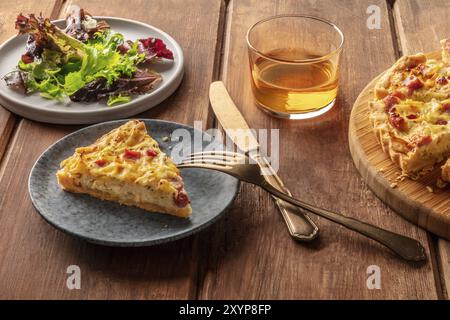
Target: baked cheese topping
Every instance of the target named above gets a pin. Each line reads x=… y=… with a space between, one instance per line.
x=127 y=154
x=411 y=110
x=423 y=117
x=418 y=79
x=416 y=96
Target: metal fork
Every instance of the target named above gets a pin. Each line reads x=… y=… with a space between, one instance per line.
x=240 y=166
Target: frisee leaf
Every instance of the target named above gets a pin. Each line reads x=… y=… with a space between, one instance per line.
x=73 y=82
x=112 y=100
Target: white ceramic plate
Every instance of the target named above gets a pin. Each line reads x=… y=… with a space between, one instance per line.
x=37 y=108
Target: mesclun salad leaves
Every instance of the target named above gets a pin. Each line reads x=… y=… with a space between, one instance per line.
x=85 y=62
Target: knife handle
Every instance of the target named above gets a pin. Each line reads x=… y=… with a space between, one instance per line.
x=300 y=225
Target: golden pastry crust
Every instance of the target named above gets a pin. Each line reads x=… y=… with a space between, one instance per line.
x=126 y=165
x=410 y=113
x=397 y=74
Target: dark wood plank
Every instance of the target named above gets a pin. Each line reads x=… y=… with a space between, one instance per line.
x=443 y=261
x=249 y=253
x=34 y=256
x=421 y=24
x=7 y=19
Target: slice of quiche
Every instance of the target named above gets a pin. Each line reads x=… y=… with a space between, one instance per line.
x=126 y=165
x=410 y=112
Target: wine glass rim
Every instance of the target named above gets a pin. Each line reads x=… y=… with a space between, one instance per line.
x=300 y=61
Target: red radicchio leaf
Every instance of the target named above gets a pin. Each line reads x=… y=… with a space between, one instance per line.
x=141 y=82
x=156 y=47
x=27 y=58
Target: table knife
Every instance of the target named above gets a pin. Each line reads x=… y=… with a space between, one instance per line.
x=300 y=225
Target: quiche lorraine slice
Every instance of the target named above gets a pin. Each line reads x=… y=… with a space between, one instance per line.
x=410 y=112
x=126 y=165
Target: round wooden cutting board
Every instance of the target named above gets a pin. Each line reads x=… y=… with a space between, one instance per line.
x=411 y=199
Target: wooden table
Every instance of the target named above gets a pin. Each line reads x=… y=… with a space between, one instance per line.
x=248 y=253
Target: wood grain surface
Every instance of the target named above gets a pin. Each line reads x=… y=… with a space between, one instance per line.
x=316 y=165
x=419 y=201
x=35 y=265
x=421 y=24
x=247 y=254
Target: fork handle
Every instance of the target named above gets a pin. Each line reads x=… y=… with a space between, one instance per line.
x=407 y=248
x=300 y=225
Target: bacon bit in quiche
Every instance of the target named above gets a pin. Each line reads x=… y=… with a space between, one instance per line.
x=399 y=94
x=446 y=107
x=398 y=122
x=130 y=154
x=390 y=101
x=441 y=81
x=412 y=116
x=423 y=141
x=152 y=153
x=413 y=83
x=441 y=122
x=100 y=162
x=181 y=199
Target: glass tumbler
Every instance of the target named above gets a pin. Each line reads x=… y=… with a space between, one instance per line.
x=294 y=65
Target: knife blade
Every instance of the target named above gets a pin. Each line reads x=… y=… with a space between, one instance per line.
x=300 y=225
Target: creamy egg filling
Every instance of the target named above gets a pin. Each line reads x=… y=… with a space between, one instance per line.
x=129 y=193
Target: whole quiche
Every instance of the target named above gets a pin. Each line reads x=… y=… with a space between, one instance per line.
x=410 y=113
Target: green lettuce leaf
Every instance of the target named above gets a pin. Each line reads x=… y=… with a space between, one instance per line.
x=66 y=65
x=112 y=100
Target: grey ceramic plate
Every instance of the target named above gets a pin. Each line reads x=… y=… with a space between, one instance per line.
x=109 y=223
x=39 y=109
